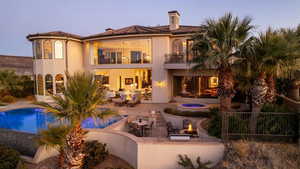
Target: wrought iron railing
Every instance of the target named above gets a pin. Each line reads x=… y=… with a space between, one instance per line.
x=175 y=58
x=261 y=126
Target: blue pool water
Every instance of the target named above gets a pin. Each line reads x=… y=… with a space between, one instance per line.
x=193 y=105
x=32 y=120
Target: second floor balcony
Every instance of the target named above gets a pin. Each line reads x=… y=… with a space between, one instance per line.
x=178 y=61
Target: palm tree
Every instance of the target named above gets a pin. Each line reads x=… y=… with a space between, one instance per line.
x=217 y=47
x=276 y=54
x=79 y=101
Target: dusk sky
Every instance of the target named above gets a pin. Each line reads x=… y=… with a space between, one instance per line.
x=85 y=17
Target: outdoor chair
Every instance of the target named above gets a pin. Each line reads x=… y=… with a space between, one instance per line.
x=134 y=101
x=171 y=129
x=185 y=123
x=148 y=129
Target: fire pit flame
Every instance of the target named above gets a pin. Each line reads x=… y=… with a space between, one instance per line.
x=190 y=128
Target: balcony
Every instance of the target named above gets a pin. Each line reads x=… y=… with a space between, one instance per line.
x=177 y=61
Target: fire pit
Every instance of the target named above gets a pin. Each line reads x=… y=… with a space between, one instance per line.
x=190 y=131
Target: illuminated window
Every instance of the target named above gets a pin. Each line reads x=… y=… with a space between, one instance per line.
x=38 y=49
x=213 y=82
x=59 y=83
x=49 y=84
x=47 y=46
x=40 y=83
x=58 y=50
x=177 y=46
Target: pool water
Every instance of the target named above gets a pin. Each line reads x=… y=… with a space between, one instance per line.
x=193 y=105
x=32 y=120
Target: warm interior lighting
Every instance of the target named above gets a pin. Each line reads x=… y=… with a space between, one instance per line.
x=190 y=128
x=161 y=84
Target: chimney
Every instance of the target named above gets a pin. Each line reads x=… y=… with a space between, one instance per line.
x=173 y=20
x=108 y=29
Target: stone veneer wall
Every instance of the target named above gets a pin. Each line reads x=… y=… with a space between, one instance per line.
x=23 y=142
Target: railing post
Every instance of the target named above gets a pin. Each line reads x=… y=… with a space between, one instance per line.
x=299 y=130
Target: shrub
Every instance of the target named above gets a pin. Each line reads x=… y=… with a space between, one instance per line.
x=187 y=163
x=8 y=99
x=186 y=113
x=269 y=107
x=9 y=158
x=95 y=153
x=215 y=124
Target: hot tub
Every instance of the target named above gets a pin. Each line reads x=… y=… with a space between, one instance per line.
x=192 y=107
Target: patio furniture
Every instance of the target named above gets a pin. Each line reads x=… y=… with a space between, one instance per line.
x=141 y=124
x=192 y=133
x=185 y=123
x=120 y=101
x=171 y=129
x=148 y=129
x=135 y=99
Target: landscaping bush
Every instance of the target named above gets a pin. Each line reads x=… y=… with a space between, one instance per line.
x=187 y=113
x=215 y=123
x=9 y=158
x=269 y=107
x=187 y=163
x=8 y=99
x=95 y=153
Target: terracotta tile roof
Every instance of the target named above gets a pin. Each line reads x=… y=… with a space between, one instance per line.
x=21 y=64
x=55 y=33
x=137 y=29
x=130 y=30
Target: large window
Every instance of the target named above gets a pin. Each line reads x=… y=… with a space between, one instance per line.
x=59 y=83
x=38 y=49
x=123 y=52
x=40 y=83
x=195 y=86
x=47 y=46
x=49 y=84
x=58 y=50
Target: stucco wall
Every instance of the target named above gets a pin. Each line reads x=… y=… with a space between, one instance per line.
x=74 y=57
x=160 y=78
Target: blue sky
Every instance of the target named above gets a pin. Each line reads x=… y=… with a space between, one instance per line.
x=19 y=18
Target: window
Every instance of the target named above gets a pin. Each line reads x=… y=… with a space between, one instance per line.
x=59 y=83
x=40 y=83
x=38 y=49
x=102 y=79
x=123 y=51
x=47 y=46
x=49 y=84
x=136 y=57
x=59 y=50
x=177 y=46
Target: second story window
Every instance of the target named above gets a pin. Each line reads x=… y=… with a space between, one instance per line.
x=47 y=46
x=123 y=52
x=58 y=48
x=38 y=49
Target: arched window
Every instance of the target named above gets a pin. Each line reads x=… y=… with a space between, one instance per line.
x=34 y=85
x=38 y=49
x=58 y=49
x=59 y=83
x=49 y=84
x=47 y=44
x=40 y=83
x=177 y=47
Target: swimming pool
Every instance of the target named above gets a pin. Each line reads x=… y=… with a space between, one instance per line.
x=32 y=120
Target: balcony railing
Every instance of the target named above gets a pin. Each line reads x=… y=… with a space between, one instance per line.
x=178 y=58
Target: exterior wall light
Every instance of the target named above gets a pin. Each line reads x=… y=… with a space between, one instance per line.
x=160 y=84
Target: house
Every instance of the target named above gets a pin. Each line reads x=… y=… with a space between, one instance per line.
x=22 y=65
x=151 y=59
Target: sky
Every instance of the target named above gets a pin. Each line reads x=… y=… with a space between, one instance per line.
x=18 y=18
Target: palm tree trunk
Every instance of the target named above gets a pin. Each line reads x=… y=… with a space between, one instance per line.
x=270 y=95
x=225 y=89
x=73 y=148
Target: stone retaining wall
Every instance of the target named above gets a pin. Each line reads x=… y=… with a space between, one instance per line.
x=25 y=143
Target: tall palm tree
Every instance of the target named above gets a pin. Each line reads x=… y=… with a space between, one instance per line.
x=276 y=53
x=217 y=47
x=78 y=102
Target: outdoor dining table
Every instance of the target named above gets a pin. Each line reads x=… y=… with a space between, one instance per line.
x=141 y=124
